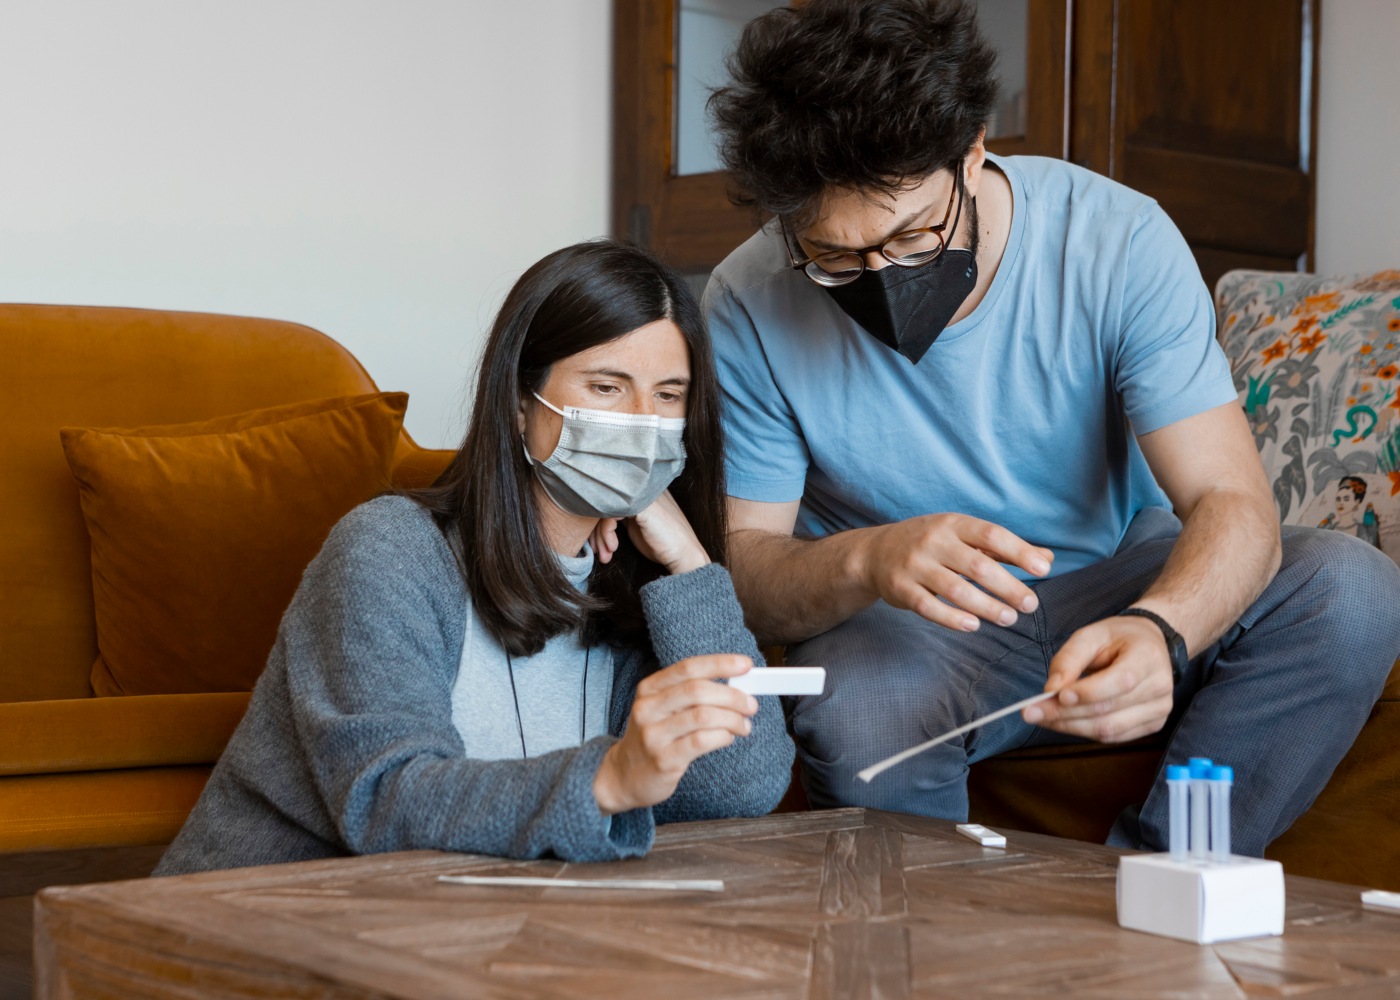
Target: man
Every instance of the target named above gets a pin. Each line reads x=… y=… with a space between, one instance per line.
x=965 y=395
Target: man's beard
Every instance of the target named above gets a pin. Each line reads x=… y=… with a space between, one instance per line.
x=974 y=232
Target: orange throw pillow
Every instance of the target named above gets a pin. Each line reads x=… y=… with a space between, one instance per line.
x=200 y=532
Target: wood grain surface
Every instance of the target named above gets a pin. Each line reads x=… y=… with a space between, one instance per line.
x=843 y=903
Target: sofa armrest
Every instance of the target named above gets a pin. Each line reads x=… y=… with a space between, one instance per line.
x=415 y=467
x=106 y=734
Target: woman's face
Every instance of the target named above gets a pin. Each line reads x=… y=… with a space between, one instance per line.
x=1346 y=500
x=645 y=371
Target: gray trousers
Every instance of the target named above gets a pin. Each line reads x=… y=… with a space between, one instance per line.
x=1280 y=697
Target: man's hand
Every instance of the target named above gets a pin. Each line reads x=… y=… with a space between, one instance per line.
x=913 y=563
x=679 y=714
x=1114 y=679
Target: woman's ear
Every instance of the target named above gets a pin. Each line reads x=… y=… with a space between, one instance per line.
x=520 y=417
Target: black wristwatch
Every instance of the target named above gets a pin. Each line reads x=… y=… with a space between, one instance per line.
x=1176 y=645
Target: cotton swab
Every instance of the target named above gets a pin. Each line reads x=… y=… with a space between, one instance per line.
x=903 y=755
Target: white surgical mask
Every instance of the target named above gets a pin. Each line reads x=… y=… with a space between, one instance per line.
x=610 y=464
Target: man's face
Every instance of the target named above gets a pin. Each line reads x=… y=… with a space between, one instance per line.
x=850 y=219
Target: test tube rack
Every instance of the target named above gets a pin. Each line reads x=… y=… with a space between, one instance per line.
x=1198 y=890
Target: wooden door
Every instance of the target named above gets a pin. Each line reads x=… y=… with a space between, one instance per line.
x=688 y=217
x=1208 y=107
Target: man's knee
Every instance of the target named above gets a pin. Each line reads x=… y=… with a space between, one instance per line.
x=1349 y=591
x=934 y=786
x=850 y=727
x=933 y=783
x=854 y=725
x=882 y=692
x=1356 y=582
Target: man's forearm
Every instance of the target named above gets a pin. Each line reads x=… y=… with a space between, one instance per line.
x=793 y=589
x=1227 y=553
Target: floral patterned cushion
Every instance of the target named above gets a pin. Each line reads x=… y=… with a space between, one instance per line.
x=1316 y=361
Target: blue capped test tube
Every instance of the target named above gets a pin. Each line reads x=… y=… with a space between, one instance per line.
x=1199 y=841
x=1178 y=809
x=1221 y=780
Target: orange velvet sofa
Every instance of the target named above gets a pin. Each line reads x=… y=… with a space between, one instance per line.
x=84 y=771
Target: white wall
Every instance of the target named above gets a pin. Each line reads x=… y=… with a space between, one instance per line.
x=384 y=169
x=1358 y=156
x=379 y=169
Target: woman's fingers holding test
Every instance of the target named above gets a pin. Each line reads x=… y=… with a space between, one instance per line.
x=711 y=667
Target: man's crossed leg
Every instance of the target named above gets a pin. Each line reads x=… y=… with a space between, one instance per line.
x=1280 y=697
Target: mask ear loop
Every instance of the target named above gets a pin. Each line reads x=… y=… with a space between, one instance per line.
x=957 y=216
x=549 y=404
x=531 y=461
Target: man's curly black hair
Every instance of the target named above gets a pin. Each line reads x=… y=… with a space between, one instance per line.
x=868 y=95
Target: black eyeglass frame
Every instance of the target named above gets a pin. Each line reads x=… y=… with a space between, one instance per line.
x=827 y=279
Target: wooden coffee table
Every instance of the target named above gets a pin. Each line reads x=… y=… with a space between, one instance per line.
x=845 y=903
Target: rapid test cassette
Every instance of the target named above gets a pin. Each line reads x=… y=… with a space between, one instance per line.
x=1384 y=902
x=983 y=836
x=781 y=680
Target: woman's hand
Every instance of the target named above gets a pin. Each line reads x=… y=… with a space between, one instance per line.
x=679 y=714
x=604 y=539
x=661 y=533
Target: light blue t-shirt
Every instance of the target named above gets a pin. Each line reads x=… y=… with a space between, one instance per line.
x=1097 y=324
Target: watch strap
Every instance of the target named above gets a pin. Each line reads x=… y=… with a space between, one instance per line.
x=1176 y=645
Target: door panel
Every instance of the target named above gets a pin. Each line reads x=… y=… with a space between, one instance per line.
x=1043 y=47
x=1207 y=107
x=1230 y=204
x=687 y=218
x=1212 y=78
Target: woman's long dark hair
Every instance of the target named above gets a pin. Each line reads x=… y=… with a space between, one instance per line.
x=574 y=299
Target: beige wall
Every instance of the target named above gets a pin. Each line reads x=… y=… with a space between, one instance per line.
x=1358 y=155
x=380 y=170
x=384 y=171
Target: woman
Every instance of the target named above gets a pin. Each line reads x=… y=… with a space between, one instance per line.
x=1349 y=517
x=456 y=671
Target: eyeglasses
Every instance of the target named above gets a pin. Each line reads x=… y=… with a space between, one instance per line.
x=907 y=249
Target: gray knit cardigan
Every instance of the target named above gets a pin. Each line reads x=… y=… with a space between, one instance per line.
x=348 y=745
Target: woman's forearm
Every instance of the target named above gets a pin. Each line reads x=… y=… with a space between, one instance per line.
x=530 y=808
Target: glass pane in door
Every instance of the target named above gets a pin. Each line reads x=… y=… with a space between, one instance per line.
x=1003 y=24
x=706 y=32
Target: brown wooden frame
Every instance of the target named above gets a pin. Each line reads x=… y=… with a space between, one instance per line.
x=688 y=219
